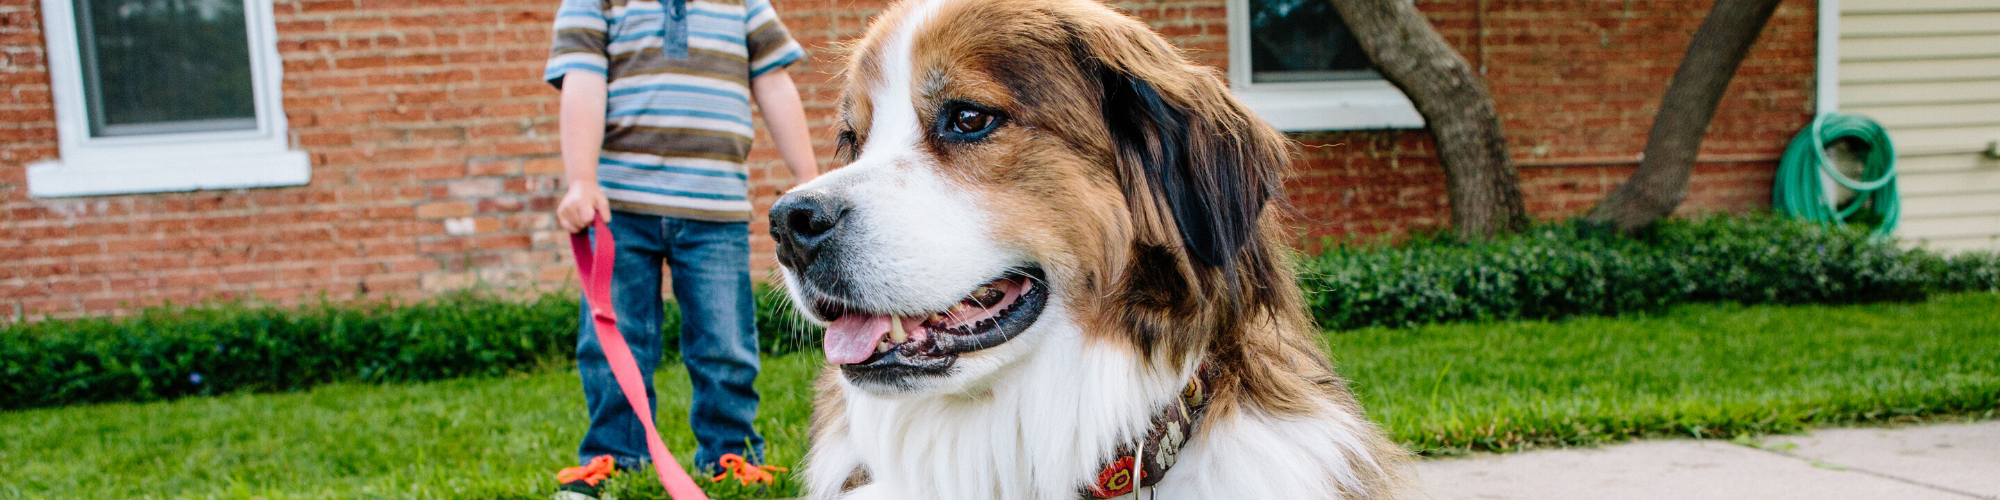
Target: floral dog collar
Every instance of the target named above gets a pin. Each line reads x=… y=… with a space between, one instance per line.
x=1160 y=449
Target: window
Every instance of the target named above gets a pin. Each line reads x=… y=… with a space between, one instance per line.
x=164 y=95
x=154 y=67
x=1297 y=66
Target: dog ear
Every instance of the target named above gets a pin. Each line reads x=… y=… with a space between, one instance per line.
x=1196 y=167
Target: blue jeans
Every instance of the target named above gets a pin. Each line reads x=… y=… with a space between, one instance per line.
x=711 y=266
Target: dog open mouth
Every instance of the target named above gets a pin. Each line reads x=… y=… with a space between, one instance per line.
x=872 y=345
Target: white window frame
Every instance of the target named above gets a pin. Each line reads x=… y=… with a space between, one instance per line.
x=1313 y=106
x=165 y=162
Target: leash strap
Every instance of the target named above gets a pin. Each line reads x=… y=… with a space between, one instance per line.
x=594 y=267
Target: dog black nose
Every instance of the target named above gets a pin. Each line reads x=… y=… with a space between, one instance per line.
x=804 y=224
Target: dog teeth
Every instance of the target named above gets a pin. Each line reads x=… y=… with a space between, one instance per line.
x=937 y=319
x=896 y=332
x=988 y=295
x=882 y=347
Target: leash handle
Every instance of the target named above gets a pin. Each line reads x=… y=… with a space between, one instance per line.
x=594 y=265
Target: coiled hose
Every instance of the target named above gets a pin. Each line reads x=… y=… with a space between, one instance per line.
x=1800 y=193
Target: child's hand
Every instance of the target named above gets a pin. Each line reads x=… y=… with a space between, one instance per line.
x=573 y=214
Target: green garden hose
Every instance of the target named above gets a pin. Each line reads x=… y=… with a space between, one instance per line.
x=1800 y=192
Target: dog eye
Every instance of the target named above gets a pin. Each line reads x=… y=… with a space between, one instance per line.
x=963 y=122
x=846 y=146
x=970 y=121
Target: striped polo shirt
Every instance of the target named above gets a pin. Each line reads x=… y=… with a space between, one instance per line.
x=677 y=121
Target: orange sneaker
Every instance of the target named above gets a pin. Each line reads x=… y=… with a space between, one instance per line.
x=580 y=483
x=745 y=471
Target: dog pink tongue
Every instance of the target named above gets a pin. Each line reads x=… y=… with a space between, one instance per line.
x=852 y=337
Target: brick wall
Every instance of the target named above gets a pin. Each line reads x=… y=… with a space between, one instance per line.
x=1576 y=84
x=33 y=271
x=434 y=156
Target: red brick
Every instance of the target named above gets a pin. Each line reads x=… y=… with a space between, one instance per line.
x=510 y=166
x=443 y=209
x=418 y=111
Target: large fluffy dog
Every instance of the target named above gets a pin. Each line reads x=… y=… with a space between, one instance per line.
x=1052 y=226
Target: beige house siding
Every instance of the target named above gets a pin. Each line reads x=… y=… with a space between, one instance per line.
x=1929 y=70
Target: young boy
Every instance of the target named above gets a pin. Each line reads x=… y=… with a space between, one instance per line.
x=655 y=125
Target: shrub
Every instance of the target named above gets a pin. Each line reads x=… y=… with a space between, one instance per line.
x=169 y=352
x=1964 y=272
x=1569 y=269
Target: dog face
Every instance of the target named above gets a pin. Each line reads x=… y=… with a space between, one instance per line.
x=1020 y=170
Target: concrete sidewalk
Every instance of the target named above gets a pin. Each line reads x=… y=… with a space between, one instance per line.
x=1945 y=462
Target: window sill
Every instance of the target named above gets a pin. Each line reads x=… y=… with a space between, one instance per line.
x=1358 y=105
x=157 y=174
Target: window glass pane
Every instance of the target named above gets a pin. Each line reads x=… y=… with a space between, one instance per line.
x=1303 y=41
x=161 y=66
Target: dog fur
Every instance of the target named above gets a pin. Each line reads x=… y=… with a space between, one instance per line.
x=1149 y=198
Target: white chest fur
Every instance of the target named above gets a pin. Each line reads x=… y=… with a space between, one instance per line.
x=1042 y=429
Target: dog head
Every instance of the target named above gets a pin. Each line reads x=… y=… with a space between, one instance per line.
x=1022 y=168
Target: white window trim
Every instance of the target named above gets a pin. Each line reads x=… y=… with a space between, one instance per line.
x=1311 y=106
x=165 y=162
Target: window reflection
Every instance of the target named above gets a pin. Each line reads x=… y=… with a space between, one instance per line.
x=1303 y=41
x=162 y=66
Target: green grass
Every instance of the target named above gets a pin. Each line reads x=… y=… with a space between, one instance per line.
x=1704 y=370
x=479 y=438
x=1711 y=371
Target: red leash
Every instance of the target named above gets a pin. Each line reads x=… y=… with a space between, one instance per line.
x=596 y=274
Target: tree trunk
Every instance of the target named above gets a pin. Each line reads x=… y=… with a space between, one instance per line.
x=1484 y=190
x=1661 y=182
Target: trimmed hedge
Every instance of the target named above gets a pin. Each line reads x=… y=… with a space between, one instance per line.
x=1552 y=271
x=1965 y=272
x=170 y=352
x=1572 y=268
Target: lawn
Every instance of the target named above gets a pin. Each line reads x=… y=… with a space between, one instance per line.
x=474 y=438
x=1713 y=371
x=1701 y=370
